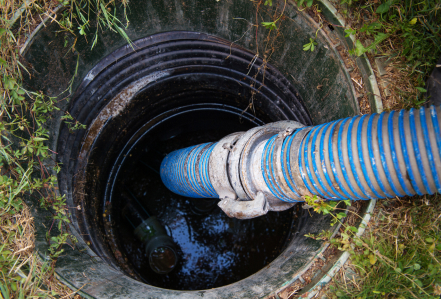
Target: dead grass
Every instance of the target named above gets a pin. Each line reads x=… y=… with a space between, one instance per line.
x=22 y=271
x=398 y=224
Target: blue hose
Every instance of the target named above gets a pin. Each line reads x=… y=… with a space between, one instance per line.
x=412 y=141
x=185 y=172
x=362 y=157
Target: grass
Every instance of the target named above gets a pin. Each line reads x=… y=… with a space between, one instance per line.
x=399 y=256
x=25 y=158
x=408 y=33
x=22 y=273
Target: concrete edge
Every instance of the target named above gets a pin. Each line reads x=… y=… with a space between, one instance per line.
x=345 y=255
x=37 y=29
x=372 y=80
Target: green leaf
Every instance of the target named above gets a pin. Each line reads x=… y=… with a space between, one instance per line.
x=370 y=28
x=417 y=266
x=269 y=25
x=359 y=48
x=418 y=282
x=384 y=7
x=339 y=294
x=4 y=290
x=268 y=2
x=349 y=32
x=421 y=89
x=3 y=62
x=82 y=32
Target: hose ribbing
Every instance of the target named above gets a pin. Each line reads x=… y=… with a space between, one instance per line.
x=362 y=157
x=185 y=171
x=377 y=156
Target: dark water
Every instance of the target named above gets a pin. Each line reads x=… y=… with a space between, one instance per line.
x=213 y=249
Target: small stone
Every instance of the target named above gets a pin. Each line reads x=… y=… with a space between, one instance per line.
x=382 y=63
x=385 y=85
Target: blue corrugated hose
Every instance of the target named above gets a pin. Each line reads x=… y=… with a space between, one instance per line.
x=362 y=157
x=185 y=171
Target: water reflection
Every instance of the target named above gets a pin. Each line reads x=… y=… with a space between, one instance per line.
x=213 y=250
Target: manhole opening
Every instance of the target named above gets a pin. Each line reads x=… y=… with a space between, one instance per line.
x=213 y=250
x=177 y=90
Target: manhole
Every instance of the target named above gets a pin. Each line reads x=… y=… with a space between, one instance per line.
x=169 y=90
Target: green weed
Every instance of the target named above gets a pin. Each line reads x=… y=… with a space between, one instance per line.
x=25 y=158
x=398 y=257
x=409 y=32
x=272 y=25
